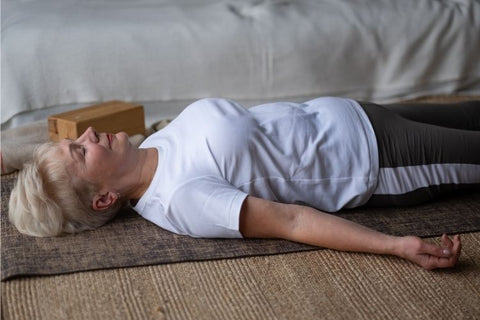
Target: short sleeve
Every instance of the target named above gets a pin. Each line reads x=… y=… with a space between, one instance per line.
x=206 y=207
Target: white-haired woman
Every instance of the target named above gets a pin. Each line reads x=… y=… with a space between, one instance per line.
x=272 y=171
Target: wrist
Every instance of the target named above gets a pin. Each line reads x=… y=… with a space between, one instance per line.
x=394 y=246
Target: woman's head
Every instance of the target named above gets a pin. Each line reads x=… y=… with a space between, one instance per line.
x=53 y=196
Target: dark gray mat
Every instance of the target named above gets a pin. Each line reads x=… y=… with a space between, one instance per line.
x=130 y=241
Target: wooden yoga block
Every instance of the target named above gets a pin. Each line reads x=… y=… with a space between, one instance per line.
x=111 y=117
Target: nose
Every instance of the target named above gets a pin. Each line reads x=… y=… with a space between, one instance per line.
x=89 y=135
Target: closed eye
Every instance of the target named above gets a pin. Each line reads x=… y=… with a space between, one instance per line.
x=77 y=151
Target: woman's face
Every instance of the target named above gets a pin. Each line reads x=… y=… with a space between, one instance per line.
x=99 y=158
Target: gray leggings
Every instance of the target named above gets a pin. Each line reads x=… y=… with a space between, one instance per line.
x=425 y=150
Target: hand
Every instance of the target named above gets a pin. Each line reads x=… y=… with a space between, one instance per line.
x=428 y=255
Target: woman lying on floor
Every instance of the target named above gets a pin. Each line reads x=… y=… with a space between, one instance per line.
x=220 y=170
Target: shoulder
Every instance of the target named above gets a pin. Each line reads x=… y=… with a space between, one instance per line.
x=215 y=106
x=222 y=123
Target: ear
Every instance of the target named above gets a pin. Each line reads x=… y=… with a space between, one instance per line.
x=105 y=200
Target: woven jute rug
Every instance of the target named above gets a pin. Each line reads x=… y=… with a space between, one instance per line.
x=130 y=240
x=321 y=284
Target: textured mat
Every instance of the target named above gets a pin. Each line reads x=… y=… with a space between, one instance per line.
x=130 y=240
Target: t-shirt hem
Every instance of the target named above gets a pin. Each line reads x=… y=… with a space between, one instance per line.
x=372 y=147
x=235 y=211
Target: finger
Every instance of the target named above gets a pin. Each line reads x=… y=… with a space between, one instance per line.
x=434 y=250
x=443 y=262
x=457 y=245
x=457 y=238
x=447 y=241
x=456 y=250
x=448 y=245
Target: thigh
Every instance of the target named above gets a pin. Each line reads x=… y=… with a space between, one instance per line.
x=420 y=161
x=461 y=115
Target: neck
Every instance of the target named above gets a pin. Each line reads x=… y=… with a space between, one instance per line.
x=147 y=165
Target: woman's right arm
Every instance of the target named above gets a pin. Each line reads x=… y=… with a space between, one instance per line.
x=261 y=218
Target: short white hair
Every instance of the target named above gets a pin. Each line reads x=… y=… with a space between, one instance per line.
x=47 y=201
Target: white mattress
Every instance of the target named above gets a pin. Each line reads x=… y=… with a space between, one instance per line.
x=62 y=53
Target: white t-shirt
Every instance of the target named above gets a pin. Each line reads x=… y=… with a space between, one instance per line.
x=321 y=153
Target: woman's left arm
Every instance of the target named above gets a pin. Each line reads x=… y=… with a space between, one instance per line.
x=261 y=218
